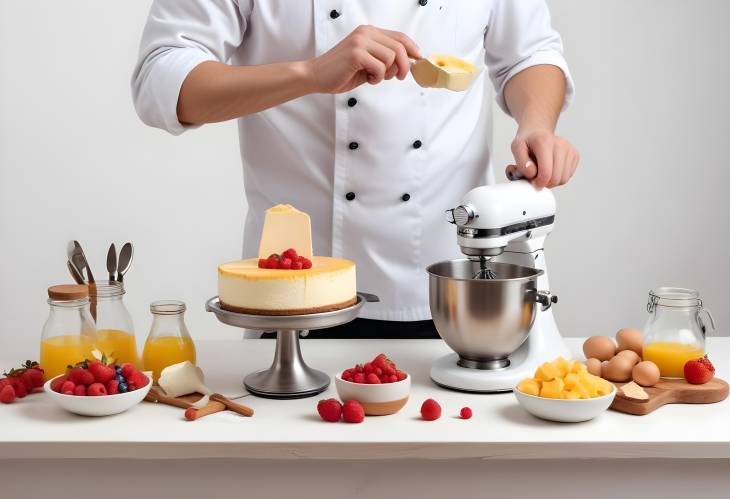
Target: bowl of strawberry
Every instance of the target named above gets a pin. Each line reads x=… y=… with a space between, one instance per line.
x=94 y=388
x=379 y=386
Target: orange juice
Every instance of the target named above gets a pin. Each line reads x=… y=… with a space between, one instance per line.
x=58 y=352
x=671 y=357
x=160 y=352
x=119 y=345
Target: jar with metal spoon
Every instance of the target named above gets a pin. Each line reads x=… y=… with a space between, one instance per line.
x=675 y=331
x=114 y=326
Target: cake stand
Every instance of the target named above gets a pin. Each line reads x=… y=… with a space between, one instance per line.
x=289 y=376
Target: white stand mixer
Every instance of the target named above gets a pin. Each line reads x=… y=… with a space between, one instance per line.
x=506 y=223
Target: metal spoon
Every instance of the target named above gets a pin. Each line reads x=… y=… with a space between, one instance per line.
x=125 y=260
x=81 y=257
x=78 y=278
x=73 y=268
x=111 y=262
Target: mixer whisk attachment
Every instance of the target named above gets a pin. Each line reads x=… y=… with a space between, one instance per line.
x=484 y=271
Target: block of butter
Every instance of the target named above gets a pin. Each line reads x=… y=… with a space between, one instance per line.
x=444 y=71
x=286 y=227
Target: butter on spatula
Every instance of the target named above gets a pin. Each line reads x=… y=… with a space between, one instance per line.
x=444 y=71
x=183 y=379
x=286 y=227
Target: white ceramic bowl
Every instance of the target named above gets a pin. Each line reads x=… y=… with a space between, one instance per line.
x=377 y=400
x=562 y=410
x=104 y=405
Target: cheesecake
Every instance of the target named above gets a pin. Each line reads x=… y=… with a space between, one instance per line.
x=286 y=278
x=245 y=288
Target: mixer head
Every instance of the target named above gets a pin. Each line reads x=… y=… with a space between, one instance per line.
x=492 y=216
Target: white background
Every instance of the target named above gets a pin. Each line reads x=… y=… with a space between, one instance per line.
x=647 y=208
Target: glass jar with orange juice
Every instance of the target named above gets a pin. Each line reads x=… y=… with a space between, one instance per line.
x=114 y=327
x=68 y=335
x=675 y=332
x=169 y=341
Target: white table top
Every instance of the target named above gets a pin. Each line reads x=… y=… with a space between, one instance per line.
x=35 y=428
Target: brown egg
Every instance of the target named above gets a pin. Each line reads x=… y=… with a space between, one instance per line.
x=618 y=369
x=645 y=373
x=599 y=347
x=604 y=365
x=594 y=366
x=630 y=338
x=630 y=354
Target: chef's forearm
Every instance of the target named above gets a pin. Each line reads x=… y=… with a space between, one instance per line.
x=535 y=97
x=215 y=92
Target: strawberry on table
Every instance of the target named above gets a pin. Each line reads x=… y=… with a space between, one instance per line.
x=7 y=394
x=18 y=386
x=329 y=410
x=699 y=371
x=353 y=412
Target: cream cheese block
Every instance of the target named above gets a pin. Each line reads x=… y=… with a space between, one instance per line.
x=329 y=285
x=444 y=71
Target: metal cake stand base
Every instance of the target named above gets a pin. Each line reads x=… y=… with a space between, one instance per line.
x=289 y=376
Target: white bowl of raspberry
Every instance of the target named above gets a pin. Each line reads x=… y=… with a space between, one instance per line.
x=94 y=398
x=379 y=386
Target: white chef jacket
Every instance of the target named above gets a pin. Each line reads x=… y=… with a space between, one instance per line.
x=375 y=167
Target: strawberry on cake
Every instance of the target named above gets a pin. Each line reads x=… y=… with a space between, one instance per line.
x=286 y=279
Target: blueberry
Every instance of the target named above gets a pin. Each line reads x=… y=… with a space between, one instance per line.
x=118 y=369
x=120 y=378
x=122 y=387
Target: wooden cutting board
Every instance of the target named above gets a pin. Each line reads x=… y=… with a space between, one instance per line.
x=676 y=391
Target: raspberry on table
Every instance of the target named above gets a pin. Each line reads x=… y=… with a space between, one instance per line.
x=430 y=410
x=465 y=413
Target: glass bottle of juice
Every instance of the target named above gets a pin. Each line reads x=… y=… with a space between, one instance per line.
x=169 y=341
x=68 y=335
x=114 y=327
x=675 y=331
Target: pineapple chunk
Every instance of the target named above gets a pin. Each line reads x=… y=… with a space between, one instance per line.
x=547 y=372
x=604 y=387
x=571 y=394
x=552 y=389
x=529 y=386
x=571 y=379
x=582 y=392
x=588 y=381
x=577 y=367
x=561 y=365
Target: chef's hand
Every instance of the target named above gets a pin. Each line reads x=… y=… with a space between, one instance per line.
x=368 y=54
x=544 y=158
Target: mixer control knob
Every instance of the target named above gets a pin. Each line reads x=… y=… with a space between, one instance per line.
x=463 y=215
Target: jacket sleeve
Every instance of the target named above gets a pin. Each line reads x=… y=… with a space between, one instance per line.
x=178 y=36
x=519 y=35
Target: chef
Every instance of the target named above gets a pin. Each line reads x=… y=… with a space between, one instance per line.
x=331 y=122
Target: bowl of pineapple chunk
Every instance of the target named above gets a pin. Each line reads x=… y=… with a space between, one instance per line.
x=564 y=390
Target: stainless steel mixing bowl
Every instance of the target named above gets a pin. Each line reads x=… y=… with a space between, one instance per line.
x=484 y=320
